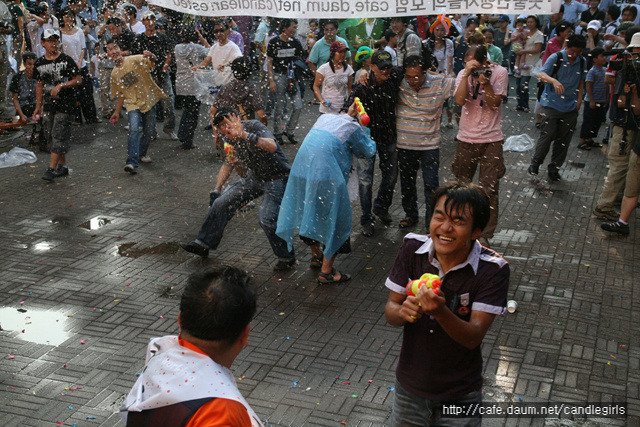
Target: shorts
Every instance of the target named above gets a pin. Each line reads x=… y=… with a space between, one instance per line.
x=56 y=128
x=632 y=187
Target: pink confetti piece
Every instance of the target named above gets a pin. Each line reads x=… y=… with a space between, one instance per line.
x=12 y=357
x=81 y=341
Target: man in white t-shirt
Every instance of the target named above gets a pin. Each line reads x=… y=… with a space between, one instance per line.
x=222 y=53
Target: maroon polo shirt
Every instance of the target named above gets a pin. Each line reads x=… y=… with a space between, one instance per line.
x=432 y=365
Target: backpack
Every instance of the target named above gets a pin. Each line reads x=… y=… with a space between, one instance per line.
x=556 y=68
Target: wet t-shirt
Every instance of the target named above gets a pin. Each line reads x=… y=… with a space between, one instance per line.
x=265 y=166
x=52 y=72
x=158 y=44
x=283 y=53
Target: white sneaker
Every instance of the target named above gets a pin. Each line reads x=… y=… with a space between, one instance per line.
x=131 y=169
x=171 y=134
x=146 y=159
x=126 y=127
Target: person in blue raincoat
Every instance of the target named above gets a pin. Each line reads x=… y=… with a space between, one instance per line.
x=316 y=201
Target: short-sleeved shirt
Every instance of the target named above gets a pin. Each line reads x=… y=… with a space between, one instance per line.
x=187 y=55
x=600 y=89
x=419 y=112
x=132 y=81
x=479 y=123
x=531 y=58
x=569 y=75
x=335 y=87
x=284 y=53
x=51 y=73
x=573 y=10
x=321 y=51
x=240 y=93
x=264 y=165
x=443 y=55
x=156 y=44
x=432 y=365
x=73 y=45
x=223 y=55
x=554 y=45
x=24 y=87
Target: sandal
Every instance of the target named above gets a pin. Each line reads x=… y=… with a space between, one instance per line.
x=594 y=144
x=408 y=222
x=585 y=146
x=329 y=277
x=316 y=262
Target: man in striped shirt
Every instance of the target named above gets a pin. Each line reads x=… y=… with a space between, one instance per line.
x=419 y=113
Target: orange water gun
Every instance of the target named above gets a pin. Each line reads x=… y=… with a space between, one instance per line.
x=431 y=281
x=362 y=114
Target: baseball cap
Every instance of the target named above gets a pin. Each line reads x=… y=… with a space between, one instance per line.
x=594 y=25
x=504 y=18
x=635 y=41
x=363 y=53
x=382 y=59
x=49 y=33
x=337 y=46
x=148 y=15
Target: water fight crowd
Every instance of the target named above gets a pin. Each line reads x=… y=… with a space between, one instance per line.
x=384 y=88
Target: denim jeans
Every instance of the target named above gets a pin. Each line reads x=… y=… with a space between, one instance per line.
x=410 y=410
x=142 y=126
x=389 y=168
x=238 y=195
x=168 y=104
x=522 y=90
x=189 y=121
x=282 y=83
x=409 y=162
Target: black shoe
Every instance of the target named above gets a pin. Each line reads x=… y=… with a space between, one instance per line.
x=131 y=169
x=616 y=227
x=554 y=176
x=279 y=140
x=283 y=264
x=533 y=170
x=61 y=171
x=49 y=174
x=383 y=215
x=292 y=139
x=368 y=230
x=195 y=248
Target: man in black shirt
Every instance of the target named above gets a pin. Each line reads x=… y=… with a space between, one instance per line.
x=57 y=74
x=379 y=99
x=251 y=143
x=282 y=51
x=157 y=43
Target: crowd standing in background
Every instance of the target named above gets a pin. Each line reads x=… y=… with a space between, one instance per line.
x=76 y=62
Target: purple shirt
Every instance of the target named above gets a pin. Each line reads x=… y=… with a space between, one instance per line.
x=236 y=37
x=432 y=365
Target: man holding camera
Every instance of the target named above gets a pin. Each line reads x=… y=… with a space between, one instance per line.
x=560 y=103
x=480 y=90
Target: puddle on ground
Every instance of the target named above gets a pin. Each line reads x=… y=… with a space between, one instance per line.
x=95 y=223
x=60 y=220
x=131 y=250
x=39 y=326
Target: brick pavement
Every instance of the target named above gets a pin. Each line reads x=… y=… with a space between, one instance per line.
x=318 y=355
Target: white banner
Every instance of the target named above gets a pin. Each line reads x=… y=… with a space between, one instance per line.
x=356 y=8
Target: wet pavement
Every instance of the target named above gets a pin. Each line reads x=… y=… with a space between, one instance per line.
x=91 y=269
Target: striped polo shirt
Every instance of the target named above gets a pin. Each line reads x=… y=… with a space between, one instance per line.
x=419 y=113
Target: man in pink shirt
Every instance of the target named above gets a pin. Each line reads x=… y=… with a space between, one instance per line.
x=480 y=90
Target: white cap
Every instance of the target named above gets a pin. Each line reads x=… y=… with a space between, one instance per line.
x=635 y=41
x=594 y=25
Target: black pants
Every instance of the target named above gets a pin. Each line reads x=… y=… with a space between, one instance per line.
x=593 y=119
x=84 y=93
x=189 y=120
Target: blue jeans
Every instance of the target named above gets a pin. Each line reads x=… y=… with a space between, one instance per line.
x=189 y=121
x=410 y=161
x=238 y=195
x=522 y=90
x=282 y=83
x=137 y=144
x=410 y=410
x=389 y=168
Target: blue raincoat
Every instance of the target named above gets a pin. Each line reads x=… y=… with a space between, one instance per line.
x=316 y=200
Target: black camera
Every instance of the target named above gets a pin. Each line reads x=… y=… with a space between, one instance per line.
x=483 y=71
x=629 y=64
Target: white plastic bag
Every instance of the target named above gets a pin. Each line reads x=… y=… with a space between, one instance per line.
x=16 y=157
x=519 y=143
x=208 y=83
x=535 y=70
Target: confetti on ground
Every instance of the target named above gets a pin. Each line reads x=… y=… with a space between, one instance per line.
x=81 y=341
x=12 y=357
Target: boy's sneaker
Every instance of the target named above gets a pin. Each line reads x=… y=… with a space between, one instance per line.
x=146 y=159
x=49 y=174
x=131 y=169
x=533 y=169
x=616 y=227
x=61 y=171
x=606 y=214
